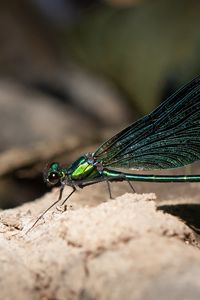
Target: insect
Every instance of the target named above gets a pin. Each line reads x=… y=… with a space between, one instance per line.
x=168 y=137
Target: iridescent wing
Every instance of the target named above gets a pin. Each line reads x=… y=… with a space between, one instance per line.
x=169 y=137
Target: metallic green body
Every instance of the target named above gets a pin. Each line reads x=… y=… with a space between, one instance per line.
x=84 y=172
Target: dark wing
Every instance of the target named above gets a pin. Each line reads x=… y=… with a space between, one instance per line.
x=169 y=137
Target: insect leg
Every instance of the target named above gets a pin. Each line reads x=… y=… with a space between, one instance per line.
x=40 y=217
x=109 y=189
x=74 y=189
x=131 y=186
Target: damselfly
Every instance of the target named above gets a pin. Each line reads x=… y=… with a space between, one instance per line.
x=167 y=138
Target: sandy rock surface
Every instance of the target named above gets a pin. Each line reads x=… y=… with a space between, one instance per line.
x=118 y=249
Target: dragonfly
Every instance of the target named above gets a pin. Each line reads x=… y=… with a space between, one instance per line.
x=167 y=138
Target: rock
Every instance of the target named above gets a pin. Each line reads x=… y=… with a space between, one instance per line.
x=119 y=249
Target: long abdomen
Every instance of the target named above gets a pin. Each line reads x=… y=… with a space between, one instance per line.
x=151 y=178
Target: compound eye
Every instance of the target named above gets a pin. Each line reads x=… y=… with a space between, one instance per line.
x=53 y=178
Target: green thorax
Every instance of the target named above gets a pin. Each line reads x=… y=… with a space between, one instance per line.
x=82 y=169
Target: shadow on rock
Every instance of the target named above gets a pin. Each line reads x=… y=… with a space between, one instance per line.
x=189 y=213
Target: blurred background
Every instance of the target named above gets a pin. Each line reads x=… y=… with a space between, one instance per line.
x=72 y=73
